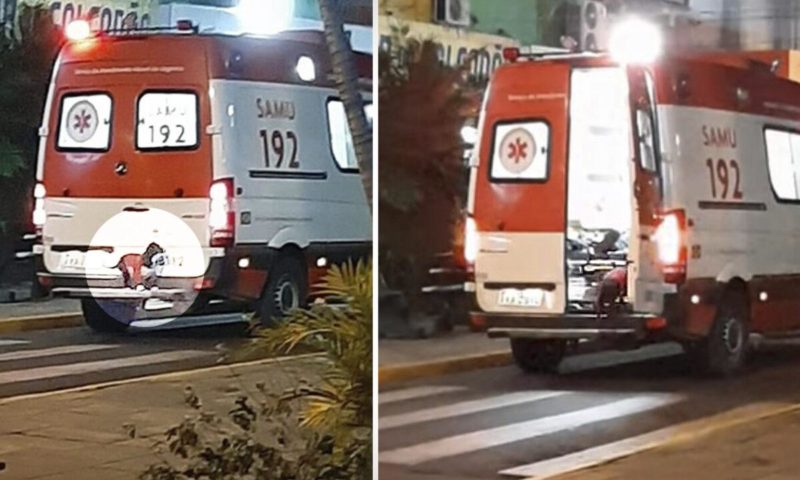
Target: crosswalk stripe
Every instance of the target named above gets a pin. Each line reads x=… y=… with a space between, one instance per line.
x=42 y=373
x=493 y=437
x=465 y=408
x=592 y=456
x=416 y=392
x=12 y=342
x=51 y=352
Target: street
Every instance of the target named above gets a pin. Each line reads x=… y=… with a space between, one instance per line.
x=56 y=359
x=501 y=423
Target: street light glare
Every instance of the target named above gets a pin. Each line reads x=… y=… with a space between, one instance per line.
x=265 y=17
x=634 y=40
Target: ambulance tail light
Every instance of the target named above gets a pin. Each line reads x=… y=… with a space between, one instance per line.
x=39 y=214
x=471 y=240
x=670 y=239
x=221 y=216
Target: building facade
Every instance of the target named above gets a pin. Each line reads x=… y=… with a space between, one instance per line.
x=115 y=14
x=457 y=37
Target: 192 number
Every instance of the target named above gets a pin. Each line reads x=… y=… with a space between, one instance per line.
x=166 y=132
x=279 y=146
x=726 y=175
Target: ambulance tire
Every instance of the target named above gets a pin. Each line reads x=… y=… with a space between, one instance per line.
x=286 y=289
x=724 y=352
x=538 y=356
x=98 y=319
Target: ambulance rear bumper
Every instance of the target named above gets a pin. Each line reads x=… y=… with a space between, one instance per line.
x=584 y=326
x=122 y=293
x=166 y=288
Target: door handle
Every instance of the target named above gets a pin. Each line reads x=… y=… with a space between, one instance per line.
x=136 y=209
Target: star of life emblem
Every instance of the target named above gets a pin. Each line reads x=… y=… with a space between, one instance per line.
x=517 y=150
x=82 y=121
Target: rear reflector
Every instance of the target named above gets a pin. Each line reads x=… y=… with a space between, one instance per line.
x=655 y=323
x=205 y=283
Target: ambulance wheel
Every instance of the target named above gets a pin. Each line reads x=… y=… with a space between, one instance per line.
x=98 y=319
x=285 y=291
x=538 y=356
x=724 y=352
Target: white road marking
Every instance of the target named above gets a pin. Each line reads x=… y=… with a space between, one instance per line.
x=465 y=408
x=51 y=352
x=689 y=430
x=493 y=437
x=9 y=343
x=42 y=373
x=416 y=392
x=592 y=456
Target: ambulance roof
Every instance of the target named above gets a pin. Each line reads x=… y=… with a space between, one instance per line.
x=263 y=59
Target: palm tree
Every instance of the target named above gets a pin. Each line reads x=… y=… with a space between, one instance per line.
x=346 y=78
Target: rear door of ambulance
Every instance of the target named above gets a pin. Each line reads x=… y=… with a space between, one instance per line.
x=124 y=159
x=518 y=190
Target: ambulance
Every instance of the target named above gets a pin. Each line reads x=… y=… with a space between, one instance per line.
x=638 y=203
x=178 y=171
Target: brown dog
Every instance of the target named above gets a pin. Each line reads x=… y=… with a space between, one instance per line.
x=612 y=289
x=131 y=265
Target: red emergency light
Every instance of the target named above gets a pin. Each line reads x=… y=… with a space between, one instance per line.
x=185 y=26
x=78 y=30
x=511 y=54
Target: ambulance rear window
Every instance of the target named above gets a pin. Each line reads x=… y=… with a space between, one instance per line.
x=85 y=122
x=520 y=151
x=344 y=152
x=783 y=160
x=167 y=121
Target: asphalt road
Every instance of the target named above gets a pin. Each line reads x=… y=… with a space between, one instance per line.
x=50 y=360
x=501 y=423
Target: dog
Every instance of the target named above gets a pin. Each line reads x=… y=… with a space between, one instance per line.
x=131 y=267
x=611 y=290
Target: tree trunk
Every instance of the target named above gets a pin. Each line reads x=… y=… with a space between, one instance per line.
x=346 y=78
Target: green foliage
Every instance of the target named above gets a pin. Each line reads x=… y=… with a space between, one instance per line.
x=423 y=175
x=11 y=159
x=26 y=59
x=320 y=429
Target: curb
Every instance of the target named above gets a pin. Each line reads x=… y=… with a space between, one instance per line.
x=181 y=374
x=41 y=322
x=413 y=371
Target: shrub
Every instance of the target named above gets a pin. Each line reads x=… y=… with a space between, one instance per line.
x=320 y=429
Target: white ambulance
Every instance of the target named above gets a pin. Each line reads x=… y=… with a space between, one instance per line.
x=179 y=170
x=638 y=204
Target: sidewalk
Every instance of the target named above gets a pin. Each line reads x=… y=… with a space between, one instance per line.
x=39 y=315
x=81 y=434
x=761 y=450
x=45 y=306
x=460 y=350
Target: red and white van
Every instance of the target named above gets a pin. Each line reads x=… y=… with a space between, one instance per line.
x=177 y=170
x=638 y=204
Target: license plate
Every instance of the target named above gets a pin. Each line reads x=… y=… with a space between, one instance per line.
x=512 y=297
x=74 y=260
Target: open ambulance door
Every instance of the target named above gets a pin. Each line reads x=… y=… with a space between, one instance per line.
x=644 y=274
